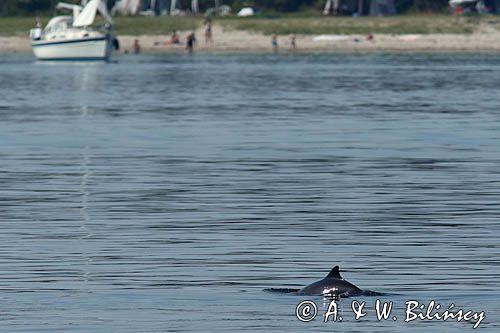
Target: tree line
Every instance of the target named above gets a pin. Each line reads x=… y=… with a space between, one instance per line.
x=34 y=7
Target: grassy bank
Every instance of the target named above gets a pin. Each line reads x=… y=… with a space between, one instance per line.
x=356 y=25
x=16 y=26
x=155 y=25
x=19 y=26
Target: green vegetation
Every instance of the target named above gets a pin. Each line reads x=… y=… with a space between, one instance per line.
x=141 y=25
x=46 y=7
x=408 y=24
x=26 y=7
x=17 y=26
x=417 y=24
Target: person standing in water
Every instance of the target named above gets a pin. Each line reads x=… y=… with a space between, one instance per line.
x=208 y=30
x=293 y=44
x=190 y=40
x=274 y=42
x=137 y=47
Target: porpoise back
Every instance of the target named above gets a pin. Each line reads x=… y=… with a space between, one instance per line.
x=332 y=285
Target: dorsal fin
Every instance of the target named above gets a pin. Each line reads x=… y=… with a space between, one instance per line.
x=335 y=273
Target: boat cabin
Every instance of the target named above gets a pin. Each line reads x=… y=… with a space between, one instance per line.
x=58 y=24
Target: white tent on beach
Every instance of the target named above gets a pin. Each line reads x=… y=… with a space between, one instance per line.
x=126 y=7
x=141 y=7
x=360 y=7
x=158 y=7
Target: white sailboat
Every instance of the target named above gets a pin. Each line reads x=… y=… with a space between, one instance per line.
x=74 y=37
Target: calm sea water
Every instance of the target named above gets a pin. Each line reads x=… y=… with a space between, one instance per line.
x=164 y=193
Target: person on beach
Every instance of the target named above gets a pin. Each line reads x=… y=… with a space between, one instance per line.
x=190 y=40
x=274 y=42
x=174 y=39
x=36 y=33
x=293 y=44
x=208 y=30
x=137 y=47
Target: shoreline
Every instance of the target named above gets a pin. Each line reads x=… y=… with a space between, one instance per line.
x=241 y=42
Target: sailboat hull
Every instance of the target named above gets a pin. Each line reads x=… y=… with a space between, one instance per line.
x=97 y=48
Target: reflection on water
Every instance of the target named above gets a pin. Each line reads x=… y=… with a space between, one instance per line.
x=135 y=192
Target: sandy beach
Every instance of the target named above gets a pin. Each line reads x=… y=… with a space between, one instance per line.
x=236 y=41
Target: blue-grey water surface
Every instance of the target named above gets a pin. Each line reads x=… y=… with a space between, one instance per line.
x=164 y=193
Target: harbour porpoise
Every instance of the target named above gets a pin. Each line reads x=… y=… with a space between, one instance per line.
x=332 y=285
